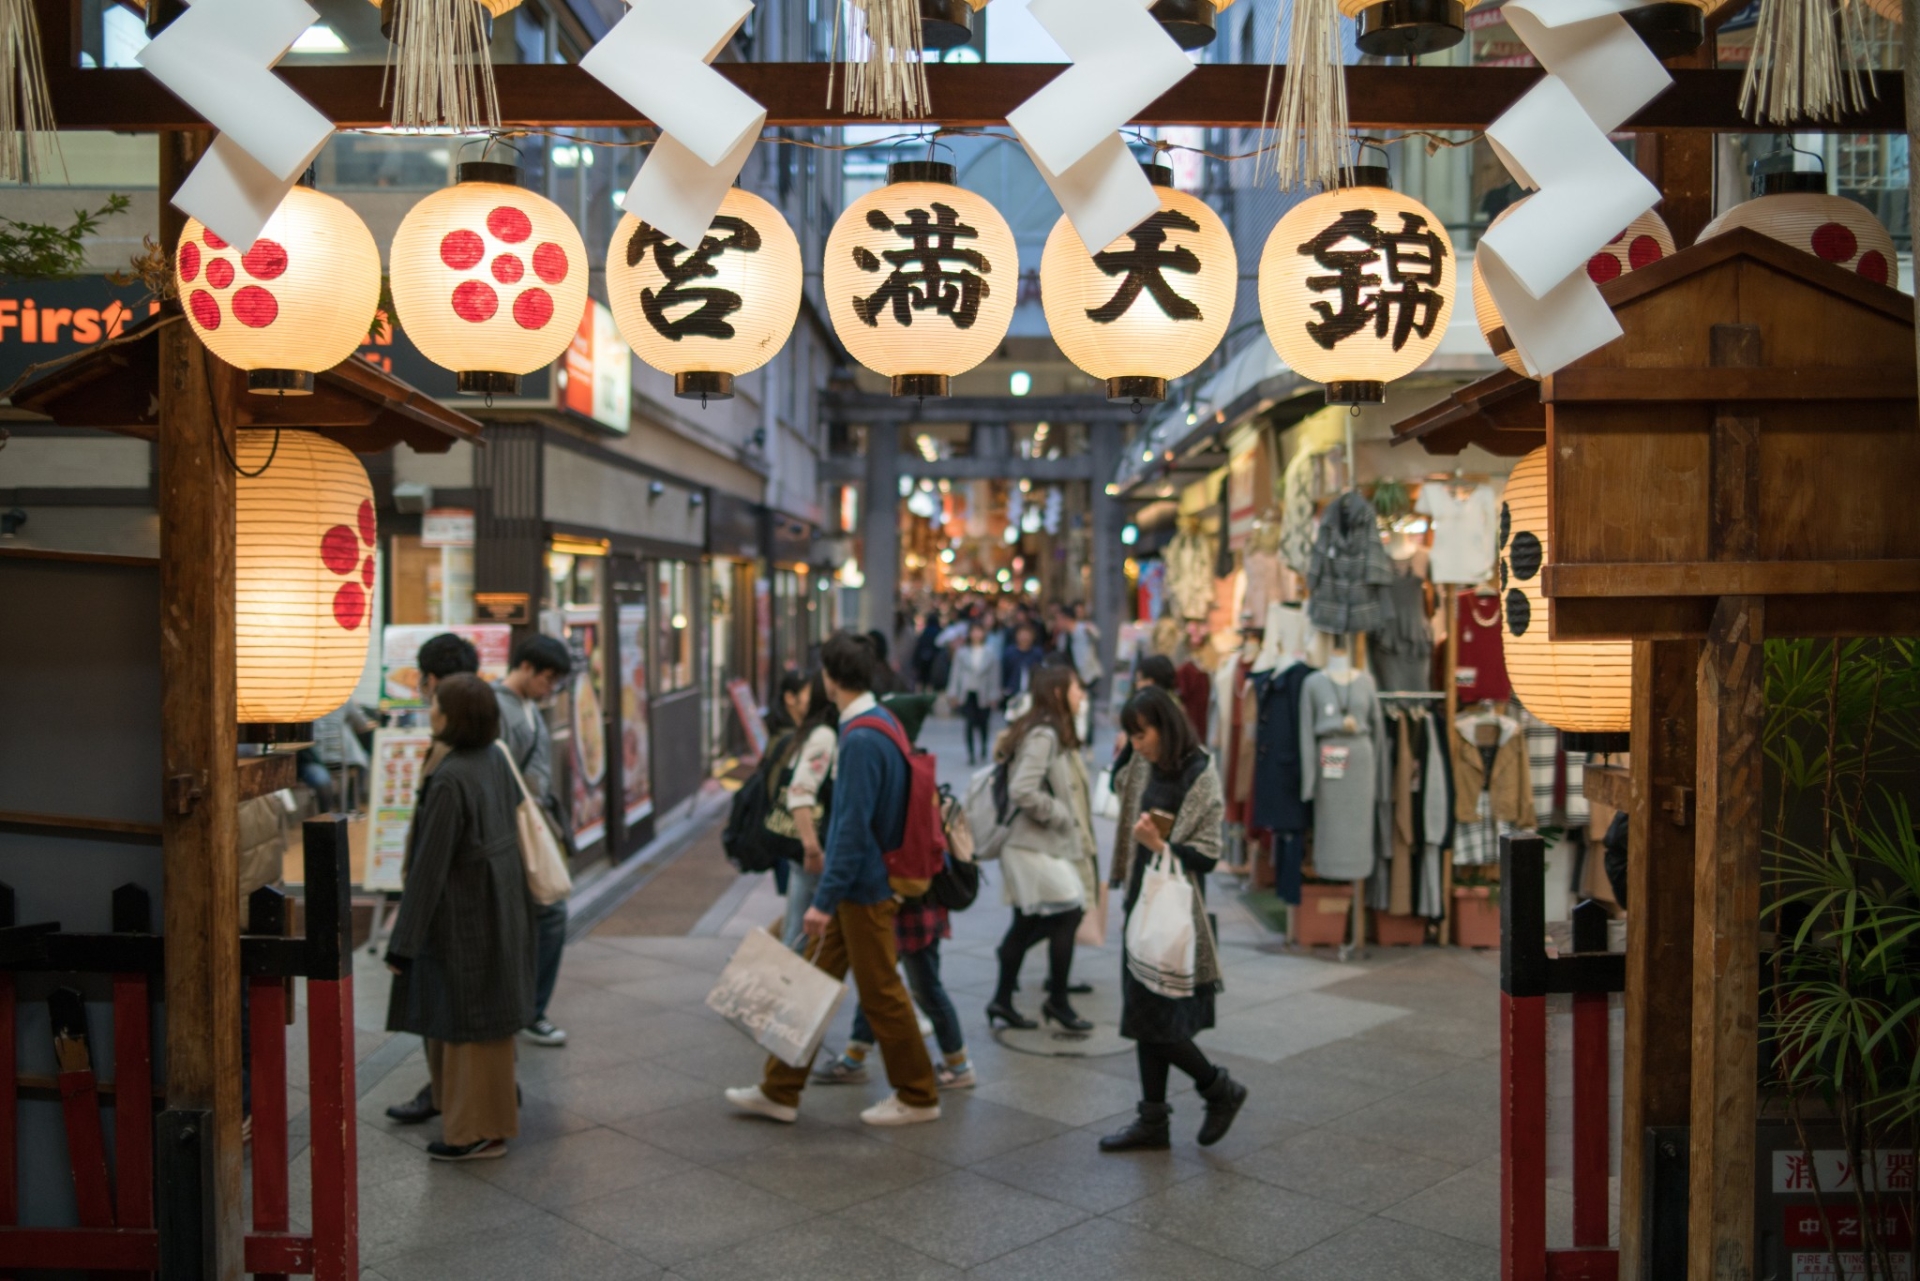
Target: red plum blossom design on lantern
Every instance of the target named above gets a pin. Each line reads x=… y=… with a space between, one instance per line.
x=343 y=549
x=477 y=301
x=253 y=305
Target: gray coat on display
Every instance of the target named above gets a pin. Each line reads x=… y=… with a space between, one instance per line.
x=1349 y=569
x=464 y=933
x=1343 y=772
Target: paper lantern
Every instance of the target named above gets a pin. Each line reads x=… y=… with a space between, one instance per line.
x=709 y=315
x=1581 y=687
x=1645 y=241
x=1356 y=287
x=1150 y=306
x=1796 y=210
x=304 y=545
x=921 y=277
x=1191 y=23
x=490 y=279
x=947 y=24
x=299 y=301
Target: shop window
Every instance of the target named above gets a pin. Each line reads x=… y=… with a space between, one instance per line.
x=673 y=628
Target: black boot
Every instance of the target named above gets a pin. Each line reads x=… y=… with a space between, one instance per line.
x=1149 y=1132
x=1224 y=1095
x=1057 y=1009
x=1001 y=1008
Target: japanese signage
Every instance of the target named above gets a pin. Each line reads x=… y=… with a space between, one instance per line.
x=679 y=306
x=395 y=775
x=596 y=373
x=446 y=527
x=1144 y=265
x=933 y=271
x=1830 y=1170
x=400 y=650
x=635 y=736
x=1383 y=279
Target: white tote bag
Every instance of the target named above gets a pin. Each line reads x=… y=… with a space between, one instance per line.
x=1106 y=804
x=776 y=997
x=546 y=866
x=1160 y=938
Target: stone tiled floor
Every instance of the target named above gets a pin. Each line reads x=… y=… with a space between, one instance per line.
x=1369 y=1147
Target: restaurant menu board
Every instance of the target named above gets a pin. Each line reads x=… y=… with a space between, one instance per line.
x=399 y=757
x=400 y=650
x=748 y=711
x=588 y=728
x=636 y=778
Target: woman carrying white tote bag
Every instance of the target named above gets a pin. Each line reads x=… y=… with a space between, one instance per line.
x=547 y=878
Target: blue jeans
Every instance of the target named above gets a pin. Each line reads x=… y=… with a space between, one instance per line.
x=549 y=941
x=800 y=887
x=923 y=977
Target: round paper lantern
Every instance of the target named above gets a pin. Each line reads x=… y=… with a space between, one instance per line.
x=921 y=277
x=1356 y=287
x=1581 y=687
x=1796 y=210
x=1191 y=23
x=299 y=301
x=490 y=279
x=708 y=315
x=1645 y=241
x=304 y=575
x=1150 y=306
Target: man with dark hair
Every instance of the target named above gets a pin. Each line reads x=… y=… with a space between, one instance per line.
x=443 y=656
x=540 y=664
x=1156 y=670
x=854 y=907
x=1017 y=663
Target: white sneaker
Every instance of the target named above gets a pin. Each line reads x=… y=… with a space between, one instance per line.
x=748 y=1098
x=891 y=1111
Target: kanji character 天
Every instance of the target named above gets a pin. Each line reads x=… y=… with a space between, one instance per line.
x=1143 y=265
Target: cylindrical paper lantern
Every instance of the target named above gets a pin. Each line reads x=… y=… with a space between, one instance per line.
x=1150 y=306
x=1796 y=210
x=1191 y=23
x=1356 y=287
x=490 y=279
x=299 y=301
x=304 y=575
x=1575 y=686
x=708 y=315
x=921 y=278
x=1645 y=241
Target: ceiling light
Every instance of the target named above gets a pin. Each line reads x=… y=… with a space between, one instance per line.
x=319 y=38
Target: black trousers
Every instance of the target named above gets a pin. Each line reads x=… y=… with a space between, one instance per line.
x=1156 y=1057
x=1026 y=931
x=977 y=716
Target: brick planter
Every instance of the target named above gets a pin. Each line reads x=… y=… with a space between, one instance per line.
x=1398 y=931
x=1476 y=917
x=1321 y=918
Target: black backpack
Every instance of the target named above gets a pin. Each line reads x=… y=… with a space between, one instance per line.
x=957 y=884
x=749 y=845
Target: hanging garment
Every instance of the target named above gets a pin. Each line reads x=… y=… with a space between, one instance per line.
x=1189 y=564
x=1406 y=814
x=1493 y=789
x=1436 y=812
x=1263 y=571
x=1277 y=804
x=1465 y=533
x=1223 y=550
x=1349 y=569
x=1342 y=748
x=1401 y=650
x=1543 y=764
x=1480 y=668
x=1296 y=513
x=1194 y=688
x=1240 y=719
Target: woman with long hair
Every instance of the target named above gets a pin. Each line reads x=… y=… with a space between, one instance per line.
x=974 y=685
x=1049 y=863
x=1170 y=804
x=803 y=789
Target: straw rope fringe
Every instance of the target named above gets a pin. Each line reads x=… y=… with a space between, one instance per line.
x=26 y=110
x=890 y=81
x=1808 y=59
x=1311 y=121
x=445 y=68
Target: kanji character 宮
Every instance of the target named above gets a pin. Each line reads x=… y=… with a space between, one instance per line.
x=1143 y=265
x=1405 y=301
x=921 y=279
x=708 y=320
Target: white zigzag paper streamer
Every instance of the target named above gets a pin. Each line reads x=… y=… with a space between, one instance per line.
x=1122 y=60
x=1554 y=140
x=656 y=58
x=218 y=58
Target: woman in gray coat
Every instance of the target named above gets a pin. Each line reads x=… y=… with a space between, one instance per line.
x=462 y=945
x=1049 y=862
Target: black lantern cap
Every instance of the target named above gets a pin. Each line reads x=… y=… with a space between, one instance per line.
x=1158 y=174
x=488 y=383
x=1362 y=176
x=280 y=382
x=1666 y=28
x=920 y=386
x=488 y=171
x=920 y=171
x=1793 y=182
x=1137 y=388
x=1189 y=22
x=703 y=385
x=1403 y=28
x=1357 y=391
x=945 y=24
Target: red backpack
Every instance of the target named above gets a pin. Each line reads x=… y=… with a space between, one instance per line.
x=923 y=846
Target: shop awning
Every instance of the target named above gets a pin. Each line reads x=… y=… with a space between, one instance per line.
x=1178 y=444
x=113 y=387
x=1501 y=413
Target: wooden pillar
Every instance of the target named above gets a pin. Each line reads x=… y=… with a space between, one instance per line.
x=200 y=827
x=1657 y=1056
x=1680 y=162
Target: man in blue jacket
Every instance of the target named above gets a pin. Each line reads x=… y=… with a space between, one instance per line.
x=854 y=905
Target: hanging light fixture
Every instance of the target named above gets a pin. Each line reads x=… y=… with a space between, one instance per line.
x=1404 y=28
x=921 y=278
x=1645 y=242
x=1578 y=687
x=299 y=301
x=947 y=24
x=1150 y=306
x=1192 y=23
x=1795 y=209
x=490 y=279
x=1356 y=287
x=708 y=315
x=304 y=548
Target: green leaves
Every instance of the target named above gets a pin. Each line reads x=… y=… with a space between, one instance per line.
x=42 y=251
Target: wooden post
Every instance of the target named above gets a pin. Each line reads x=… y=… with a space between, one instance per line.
x=1656 y=1064
x=201 y=820
x=1680 y=161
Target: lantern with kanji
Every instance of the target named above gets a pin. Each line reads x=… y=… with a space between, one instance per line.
x=490 y=279
x=709 y=314
x=1356 y=287
x=1645 y=241
x=304 y=557
x=1796 y=210
x=1148 y=307
x=1580 y=687
x=921 y=278
x=300 y=300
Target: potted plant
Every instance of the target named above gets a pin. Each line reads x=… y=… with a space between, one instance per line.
x=1476 y=907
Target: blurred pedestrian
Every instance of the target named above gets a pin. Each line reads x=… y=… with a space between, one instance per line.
x=540 y=665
